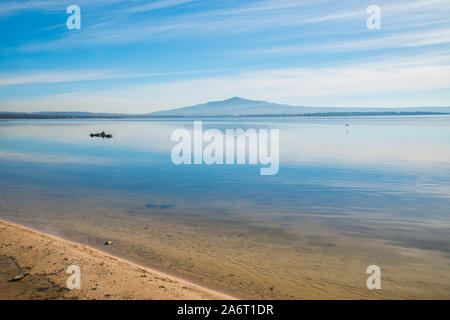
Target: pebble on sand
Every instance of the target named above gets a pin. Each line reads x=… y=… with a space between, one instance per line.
x=18 y=277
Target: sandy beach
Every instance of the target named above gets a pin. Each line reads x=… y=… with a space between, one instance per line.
x=41 y=261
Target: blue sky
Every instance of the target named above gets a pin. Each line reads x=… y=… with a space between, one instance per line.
x=143 y=56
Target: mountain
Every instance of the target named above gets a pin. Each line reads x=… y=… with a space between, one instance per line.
x=237 y=106
x=232 y=107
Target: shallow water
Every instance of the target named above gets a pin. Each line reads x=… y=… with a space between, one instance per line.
x=374 y=192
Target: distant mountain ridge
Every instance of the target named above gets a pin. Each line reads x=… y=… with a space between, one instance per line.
x=235 y=107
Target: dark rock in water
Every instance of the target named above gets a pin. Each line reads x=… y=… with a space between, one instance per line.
x=101 y=134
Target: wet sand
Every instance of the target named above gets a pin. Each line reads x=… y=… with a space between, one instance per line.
x=41 y=262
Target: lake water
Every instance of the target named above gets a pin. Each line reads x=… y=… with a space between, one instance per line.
x=374 y=192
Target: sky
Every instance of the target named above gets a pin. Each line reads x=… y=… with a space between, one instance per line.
x=136 y=56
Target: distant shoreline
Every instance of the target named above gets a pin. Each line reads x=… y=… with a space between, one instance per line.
x=26 y=116
x=235 y=107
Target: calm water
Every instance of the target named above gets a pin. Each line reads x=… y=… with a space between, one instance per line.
x=379 y=177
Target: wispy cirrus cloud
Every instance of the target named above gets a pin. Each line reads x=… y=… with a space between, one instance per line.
x=16 y=7
x=256 y=17
x=42 y=77
x=419 y=38
x=10 y=7
x=54 y=77
x=158 y=5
